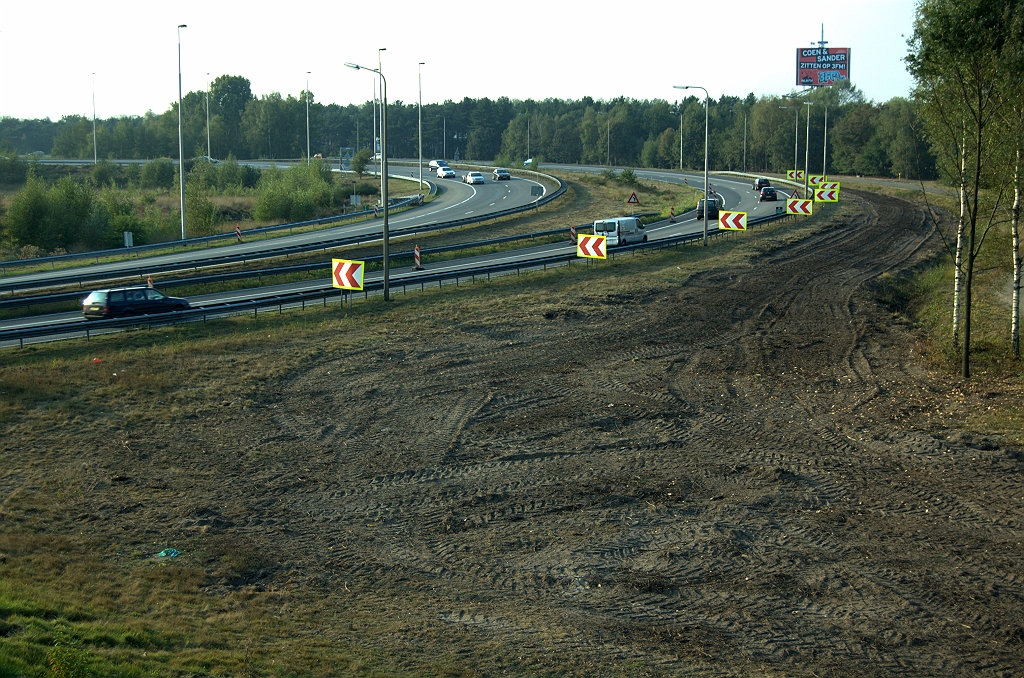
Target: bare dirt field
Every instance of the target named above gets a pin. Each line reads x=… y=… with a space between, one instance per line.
x=747 y=470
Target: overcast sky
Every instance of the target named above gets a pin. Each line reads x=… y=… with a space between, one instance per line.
x=49 y=50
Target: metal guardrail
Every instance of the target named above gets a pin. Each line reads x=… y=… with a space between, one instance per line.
x=285 y=270
x=142 y=270
x=280 y=301
x=191 y=242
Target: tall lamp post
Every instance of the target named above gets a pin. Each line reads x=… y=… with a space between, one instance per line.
x=419 y=112
x=744 y=138
x=181 y=144
x=307 y=116
x=807 y=149
x=209 y=155
x=705 y=197
x=824 y=147
x=94 y=154
x=796 y=135
x=383 y=166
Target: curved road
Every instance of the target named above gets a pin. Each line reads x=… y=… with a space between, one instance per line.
x=457 y=201
x=737 y=193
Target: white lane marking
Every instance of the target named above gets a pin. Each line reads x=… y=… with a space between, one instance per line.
x=469 y=212
x=492 y=204
x=420 y=216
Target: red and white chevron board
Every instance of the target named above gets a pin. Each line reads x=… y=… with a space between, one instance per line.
x=795 y=174
x=829 y=185
x=815 y=180
x=826 y=195
x=347 y=275
x=794 y=206
x=732 y=221
x=592 y=246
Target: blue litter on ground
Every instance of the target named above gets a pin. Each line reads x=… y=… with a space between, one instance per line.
x=168 y=553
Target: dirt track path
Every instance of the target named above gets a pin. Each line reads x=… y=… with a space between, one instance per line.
x=741 y=475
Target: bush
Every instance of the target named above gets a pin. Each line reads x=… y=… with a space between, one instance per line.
x=157 y=174
x=294 y=194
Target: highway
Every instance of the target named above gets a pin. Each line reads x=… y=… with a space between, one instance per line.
x=456 y=201
x=737 y=193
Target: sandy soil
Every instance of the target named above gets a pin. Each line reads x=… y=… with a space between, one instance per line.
x=746 y=474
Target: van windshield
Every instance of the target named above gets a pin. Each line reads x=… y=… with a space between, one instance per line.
x=604 y=227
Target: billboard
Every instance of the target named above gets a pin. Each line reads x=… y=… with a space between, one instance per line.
x=818 y=66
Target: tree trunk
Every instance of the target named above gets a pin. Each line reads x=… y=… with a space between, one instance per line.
x=1017 y=258
x=959 y=258
x=958 y=265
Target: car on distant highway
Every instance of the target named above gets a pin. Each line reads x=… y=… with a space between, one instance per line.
x=445 y=173
x=761 y=182
x=473 y=178
x=712 y=208
x=434 y=164
x=500 y=174
x=767 y=193
x=128 y=301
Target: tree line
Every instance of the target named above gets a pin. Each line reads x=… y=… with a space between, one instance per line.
x=755 y=133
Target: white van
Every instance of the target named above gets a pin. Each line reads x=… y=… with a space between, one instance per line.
x=621 y=230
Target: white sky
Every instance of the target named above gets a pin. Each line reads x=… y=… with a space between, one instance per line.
x=522 y=49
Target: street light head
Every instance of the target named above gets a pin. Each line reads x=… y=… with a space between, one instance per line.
x=355 y=66
x=182 y=26
x=681 y=86
x=423 y=63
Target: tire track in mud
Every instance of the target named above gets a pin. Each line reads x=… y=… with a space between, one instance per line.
x=720 y=487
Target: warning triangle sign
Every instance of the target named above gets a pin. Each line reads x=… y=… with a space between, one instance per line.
x=633 y=200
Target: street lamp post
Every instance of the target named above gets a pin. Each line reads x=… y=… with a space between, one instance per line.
x=705 y=197
x=824 y=147
x=209 y=155
x=680 y=142
x=379 y=132
x=181 y=144
x=95 y=157
x=419 y=112
x=383 y=167
x=807 y=149
x=307 y=116
x=744 y=138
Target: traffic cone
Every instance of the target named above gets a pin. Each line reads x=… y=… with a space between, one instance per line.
x=416 y=259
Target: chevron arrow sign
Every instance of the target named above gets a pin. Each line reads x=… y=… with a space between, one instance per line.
x=347 y=275
x=799 y=207
x=829 y=195
x=732 y=221
x=591 y=246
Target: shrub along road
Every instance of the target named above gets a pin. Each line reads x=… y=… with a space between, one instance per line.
x=739 y=470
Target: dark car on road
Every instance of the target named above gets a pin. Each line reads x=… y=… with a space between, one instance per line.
x=767 y=193
x=760 y=183
x=500 y=174
x=712 y=209
x=128 y=301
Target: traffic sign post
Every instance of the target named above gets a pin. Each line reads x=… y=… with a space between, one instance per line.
x=732 y=221
x=592 y=246
x=804 y=207
x=346 y=274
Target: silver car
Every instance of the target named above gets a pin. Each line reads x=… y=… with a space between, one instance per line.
x=473 y=178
